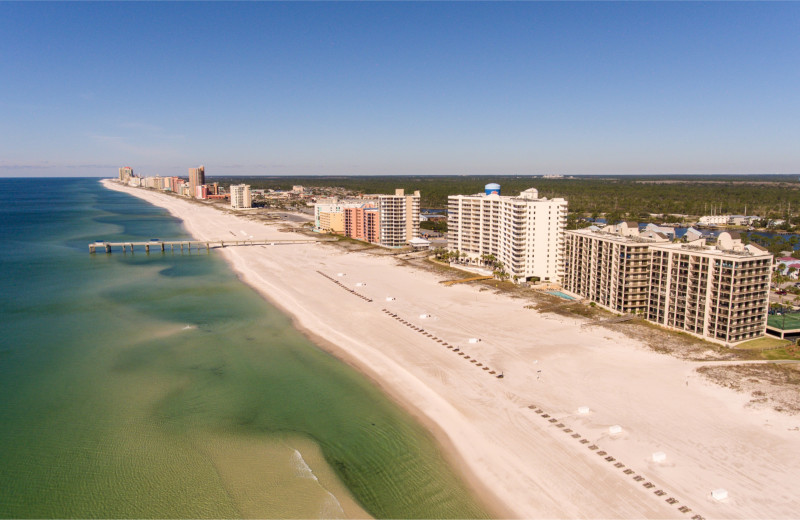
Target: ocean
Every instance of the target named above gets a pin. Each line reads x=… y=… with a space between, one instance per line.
x=160 y=385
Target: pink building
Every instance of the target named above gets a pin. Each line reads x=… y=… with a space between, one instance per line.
x=372 y=225
x=363 y=223
x=201 y=192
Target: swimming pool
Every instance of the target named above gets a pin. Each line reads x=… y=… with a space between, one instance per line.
x=561 y=295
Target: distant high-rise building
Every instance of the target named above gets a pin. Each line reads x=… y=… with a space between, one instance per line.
x=197 y=177
x=240 y=196
x=125 y=174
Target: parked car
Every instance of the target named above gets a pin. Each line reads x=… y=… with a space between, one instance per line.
x=781 y=292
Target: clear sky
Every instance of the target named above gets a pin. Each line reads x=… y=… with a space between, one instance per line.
x=271 y=88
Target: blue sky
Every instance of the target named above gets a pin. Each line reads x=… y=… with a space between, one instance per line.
x=269 y=88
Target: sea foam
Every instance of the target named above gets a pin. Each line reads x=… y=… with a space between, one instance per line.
x=301 y=469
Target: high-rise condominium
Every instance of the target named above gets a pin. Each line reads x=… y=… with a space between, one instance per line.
x=197 y=177
x=399 y=218
x=125 y=174
x=240 y=196
x=718 y=292
x=525 y=233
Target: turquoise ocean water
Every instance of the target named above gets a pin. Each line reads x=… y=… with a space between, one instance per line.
x=160 y=386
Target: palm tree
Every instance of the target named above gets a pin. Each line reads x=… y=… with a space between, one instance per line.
x=499 y=271
x=778 y=278
x=454 y=254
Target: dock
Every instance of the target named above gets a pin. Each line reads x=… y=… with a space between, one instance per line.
x=197 y=245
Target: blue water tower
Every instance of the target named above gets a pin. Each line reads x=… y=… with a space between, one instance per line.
x=492 y=188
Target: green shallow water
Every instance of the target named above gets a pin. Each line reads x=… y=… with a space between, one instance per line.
x=161 y=386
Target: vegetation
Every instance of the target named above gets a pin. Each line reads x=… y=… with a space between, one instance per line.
x=485 y=261
x=775 y=244
x=634 y=197
x=767 y=342
x=440 y=226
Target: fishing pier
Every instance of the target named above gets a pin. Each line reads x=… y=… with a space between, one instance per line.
x=188 y=245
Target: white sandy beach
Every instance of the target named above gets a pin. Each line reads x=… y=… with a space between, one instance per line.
x=519 y=462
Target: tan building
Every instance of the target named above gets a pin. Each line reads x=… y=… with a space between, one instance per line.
x=330 y=213
x=331 y=222
x=611 y=269
x=718 y=292
x=240 y=196
x=399 y=218
x=525 y=233
x=197 y=177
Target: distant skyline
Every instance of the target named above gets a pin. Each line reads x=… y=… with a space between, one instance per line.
x=383 y=88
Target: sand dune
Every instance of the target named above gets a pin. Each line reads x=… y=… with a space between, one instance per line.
x=520 y=441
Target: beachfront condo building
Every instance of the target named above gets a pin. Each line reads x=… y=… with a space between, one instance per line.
x=155 y=183
x=372 y=225
x=399 y=218
x=240 y=196
x=362 y=222
x=329 y=217
x=197 y=177
x=610 y=268
x=331 y=222
x=125 y=174
x=525 y=233
x=716 y=292
x=388 y=220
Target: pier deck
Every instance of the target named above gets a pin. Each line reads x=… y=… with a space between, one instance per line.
x=172 y=245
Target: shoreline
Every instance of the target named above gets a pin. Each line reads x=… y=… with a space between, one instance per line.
x=483 y=495
x=517 y=462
